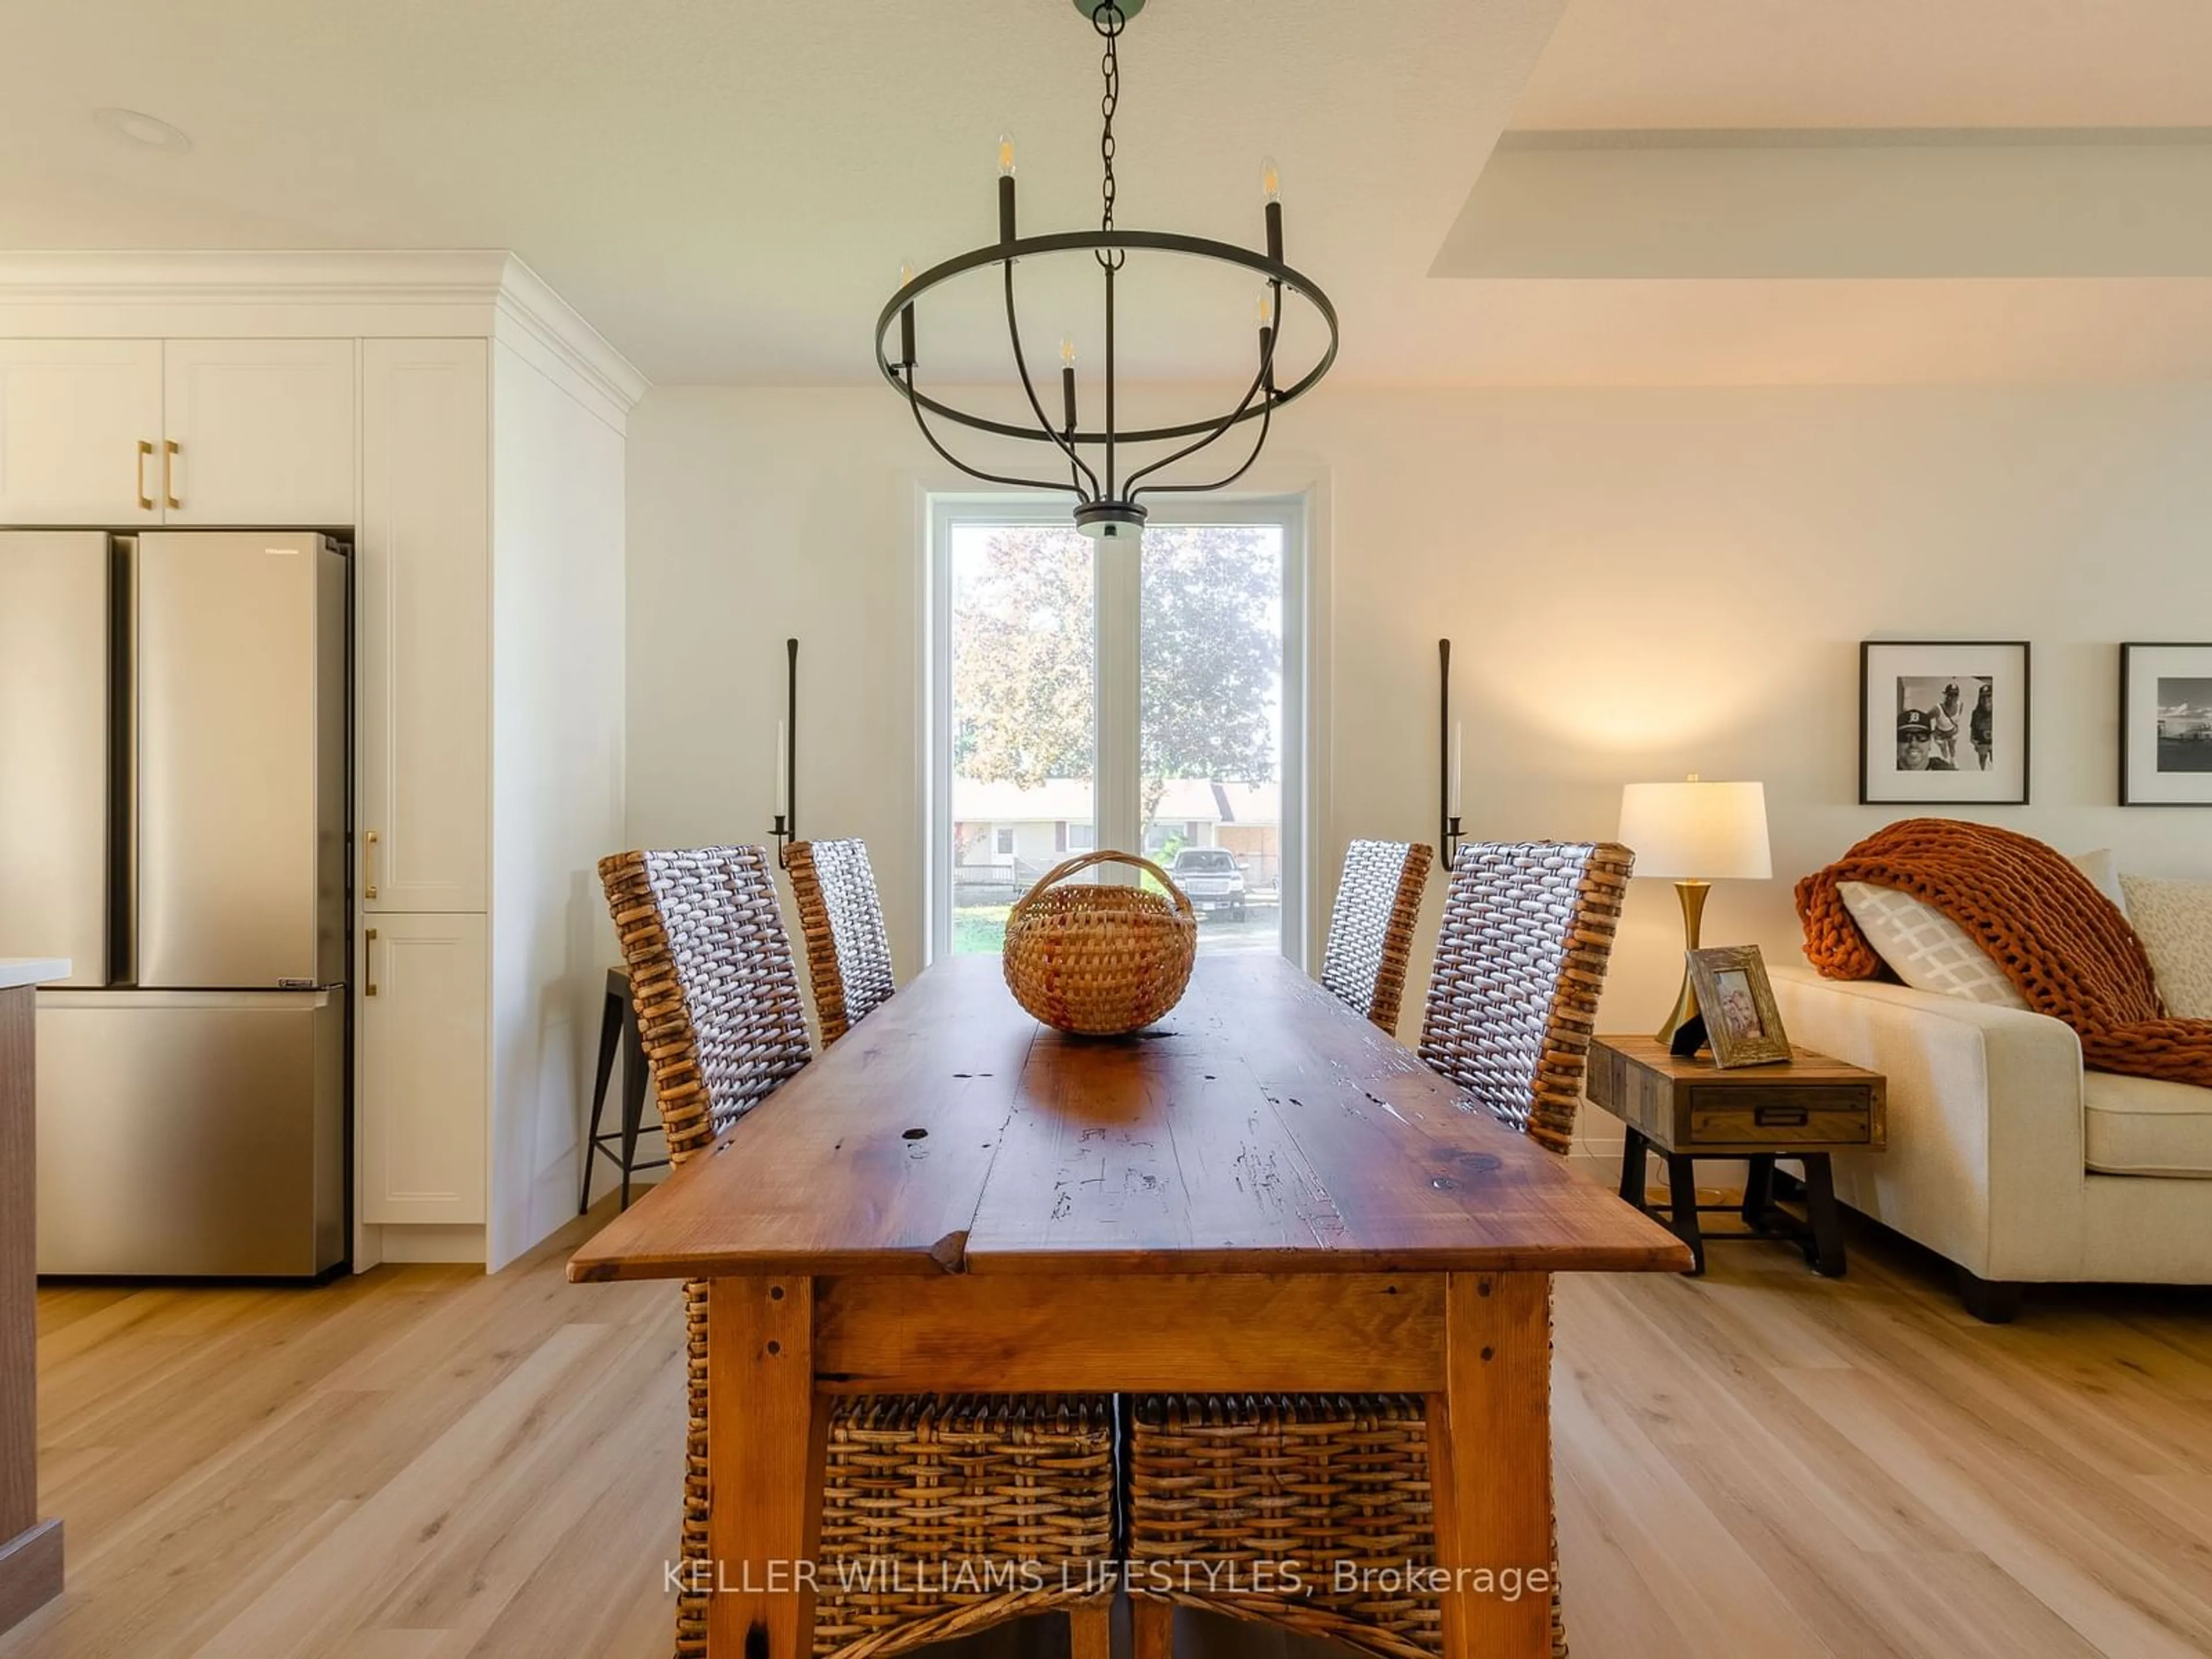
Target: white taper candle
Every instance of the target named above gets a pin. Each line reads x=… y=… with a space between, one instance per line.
x=783 y=770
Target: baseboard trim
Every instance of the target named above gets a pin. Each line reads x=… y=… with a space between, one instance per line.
x=30 y=1571
x=422 y=1243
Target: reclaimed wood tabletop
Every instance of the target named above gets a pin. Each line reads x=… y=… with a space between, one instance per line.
x=1260 y=1127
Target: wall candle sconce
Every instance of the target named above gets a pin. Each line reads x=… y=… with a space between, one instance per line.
x=786 y=761
x=1450 y=755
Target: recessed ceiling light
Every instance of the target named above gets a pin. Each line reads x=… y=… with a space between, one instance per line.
x=150 y=132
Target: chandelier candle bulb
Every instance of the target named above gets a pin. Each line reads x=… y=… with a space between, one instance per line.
x=1067 y=382
x=1006 y=187
x=783 y=771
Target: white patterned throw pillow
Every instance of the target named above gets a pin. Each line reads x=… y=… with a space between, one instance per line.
x=2173 y=920
x=1925 y=948
x=2104 y=874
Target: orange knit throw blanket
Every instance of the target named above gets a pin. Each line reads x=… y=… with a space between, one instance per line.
x=2061 y=942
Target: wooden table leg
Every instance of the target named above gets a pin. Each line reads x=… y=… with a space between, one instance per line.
x=1151 y=1627
x=768 y=1434
x=1090 y=1631
x=1490 y=1457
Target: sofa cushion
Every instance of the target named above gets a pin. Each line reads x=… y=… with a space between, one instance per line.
x=1925 y=948
x=2173 y=920
x=2139 y=1125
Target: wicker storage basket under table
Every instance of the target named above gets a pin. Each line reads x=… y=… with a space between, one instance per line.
x=1100 y=960
x=1246 y=1483
x=944 y=1514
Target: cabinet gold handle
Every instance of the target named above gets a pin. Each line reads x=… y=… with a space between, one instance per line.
x=169 y=452
x=369 y=865
x=368 y=962
x=138 y=476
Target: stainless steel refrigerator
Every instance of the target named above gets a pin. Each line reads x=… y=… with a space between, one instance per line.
x=172 y=819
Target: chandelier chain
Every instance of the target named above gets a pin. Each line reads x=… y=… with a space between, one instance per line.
x=1108 y=19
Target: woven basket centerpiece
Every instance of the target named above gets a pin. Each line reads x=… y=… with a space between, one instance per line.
x=1100 y=960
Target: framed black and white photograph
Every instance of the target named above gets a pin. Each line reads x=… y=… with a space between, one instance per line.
x=1943 y=723
x=2165 y=725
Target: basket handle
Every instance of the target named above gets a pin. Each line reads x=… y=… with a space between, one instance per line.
x=1084 y=861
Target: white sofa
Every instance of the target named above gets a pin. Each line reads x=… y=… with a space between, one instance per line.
x=2003 y=1155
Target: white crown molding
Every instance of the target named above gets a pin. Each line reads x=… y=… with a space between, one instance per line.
x=528 y=300
x=367 y=292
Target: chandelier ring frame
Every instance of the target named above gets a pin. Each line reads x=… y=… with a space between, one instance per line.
x=1282 y=277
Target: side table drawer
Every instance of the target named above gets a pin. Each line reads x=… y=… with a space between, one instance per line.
x=1735 y=1116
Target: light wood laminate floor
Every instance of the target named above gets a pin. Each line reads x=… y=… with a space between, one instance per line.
x=425 y=1463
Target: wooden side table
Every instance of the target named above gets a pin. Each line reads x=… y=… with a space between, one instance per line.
x=1687 y=1109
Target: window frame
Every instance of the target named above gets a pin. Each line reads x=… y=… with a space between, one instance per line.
x=1116 y=695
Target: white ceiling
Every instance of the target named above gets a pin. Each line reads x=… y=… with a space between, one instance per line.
x=1796 y=63
x=727 y=187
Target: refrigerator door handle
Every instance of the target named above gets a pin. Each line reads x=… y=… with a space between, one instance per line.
x=368 y=864
x=368 y=963
x=123 y=760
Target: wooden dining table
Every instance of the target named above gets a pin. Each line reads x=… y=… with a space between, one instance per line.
x=1260 y=1193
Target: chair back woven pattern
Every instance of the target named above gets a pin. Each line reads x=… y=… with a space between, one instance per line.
x=718 y=1005
x=719 y=1020
x=1370 y=930
x=848 y=956
x=909 y=1480
x=1520 y=957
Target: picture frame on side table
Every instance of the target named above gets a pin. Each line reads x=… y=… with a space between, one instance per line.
x=2165 y=725
x=1943 y=722
x=1736 y=1003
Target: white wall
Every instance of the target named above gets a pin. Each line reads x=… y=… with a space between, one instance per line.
x=558 y=775
x=1639 y=584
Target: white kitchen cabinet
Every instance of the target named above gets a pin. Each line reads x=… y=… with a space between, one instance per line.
x=422 y=589
x=468 y=425
x=258 y=432
x=80 y=432
x=424 y=1034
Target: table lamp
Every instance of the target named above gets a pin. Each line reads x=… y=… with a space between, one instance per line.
x=1697 y=833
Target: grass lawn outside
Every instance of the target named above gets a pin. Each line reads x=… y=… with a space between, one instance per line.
x=979 y=929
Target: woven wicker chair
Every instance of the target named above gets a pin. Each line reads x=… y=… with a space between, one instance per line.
x=1520 y=960
x=1370 y=931
x=848 y=957
x=909 y=1481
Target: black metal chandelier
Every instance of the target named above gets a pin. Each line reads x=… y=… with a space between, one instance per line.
x=1106 y=492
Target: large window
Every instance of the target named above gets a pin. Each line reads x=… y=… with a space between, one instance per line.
x=1114 y=696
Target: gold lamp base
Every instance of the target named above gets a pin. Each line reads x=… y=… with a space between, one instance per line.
x=1692 y=894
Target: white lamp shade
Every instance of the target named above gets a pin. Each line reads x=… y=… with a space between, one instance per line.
x=1697 y=831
